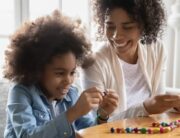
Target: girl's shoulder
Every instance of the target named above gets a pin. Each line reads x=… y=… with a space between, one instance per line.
x=20 y=90
x=73 y=91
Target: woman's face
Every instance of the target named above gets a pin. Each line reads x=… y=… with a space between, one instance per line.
x=122 y=32
x=58 y=76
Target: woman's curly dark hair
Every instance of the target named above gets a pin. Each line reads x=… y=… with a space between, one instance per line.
x=148 y=13
x=35 y=44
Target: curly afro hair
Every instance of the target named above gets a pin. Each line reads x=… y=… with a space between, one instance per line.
x=148 y=13
x=35 y=44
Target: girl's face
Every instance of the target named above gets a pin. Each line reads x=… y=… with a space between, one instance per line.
x=122 y=32
x=58 y=76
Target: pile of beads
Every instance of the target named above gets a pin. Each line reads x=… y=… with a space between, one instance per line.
x=162 y=127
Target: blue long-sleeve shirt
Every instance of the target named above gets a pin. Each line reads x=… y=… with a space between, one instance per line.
x=30 y=115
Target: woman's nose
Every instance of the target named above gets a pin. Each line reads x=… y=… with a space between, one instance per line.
x=118 y=34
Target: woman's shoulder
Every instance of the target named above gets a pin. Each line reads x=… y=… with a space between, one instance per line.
x=156 y=47
x=102 y=51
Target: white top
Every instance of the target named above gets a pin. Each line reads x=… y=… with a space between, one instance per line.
x=107 y=72
x=135 y=83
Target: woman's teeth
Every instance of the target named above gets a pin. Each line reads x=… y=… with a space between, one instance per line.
x=120 y=45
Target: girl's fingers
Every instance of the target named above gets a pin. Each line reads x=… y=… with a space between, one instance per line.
x=113 y=96
x=93 y=94
x=95 y=101
x=94 y=89
x=113 y=102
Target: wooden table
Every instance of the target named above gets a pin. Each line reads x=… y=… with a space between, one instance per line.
x=102 y=131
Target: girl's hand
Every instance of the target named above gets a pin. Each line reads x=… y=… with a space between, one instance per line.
x=109 y=103
x=160 y=103
x=89 y=99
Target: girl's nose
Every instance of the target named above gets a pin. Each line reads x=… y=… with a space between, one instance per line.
x=68 y=79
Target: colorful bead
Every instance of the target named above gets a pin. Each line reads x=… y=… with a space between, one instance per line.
x=156 y=124
x=156 y=130
x=164 y=124
x=123 y=130
x=112 y=130
x=136 y=130
x=161 y=130
x=118 y=130
x=167 y=129
x=149 y=131
x=128 y=130
x=162 y=127
x=143 y=130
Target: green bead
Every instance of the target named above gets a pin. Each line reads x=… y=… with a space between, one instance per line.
x=143 y=130
x=164 y=124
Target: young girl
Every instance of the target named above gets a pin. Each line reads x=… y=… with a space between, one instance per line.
x=41 y=61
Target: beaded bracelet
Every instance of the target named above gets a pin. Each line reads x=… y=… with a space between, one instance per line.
x=156 y=128
x=99 y=117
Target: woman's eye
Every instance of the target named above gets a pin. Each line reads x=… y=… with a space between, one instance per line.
x=110 y=27
x=129 y=27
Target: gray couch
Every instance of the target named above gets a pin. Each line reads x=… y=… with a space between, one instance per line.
x=3 y=99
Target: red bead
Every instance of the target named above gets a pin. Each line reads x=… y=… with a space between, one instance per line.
x=161 y=130
x=118 y=130
x=153 y=124
x=149 y=131
x=136 y=130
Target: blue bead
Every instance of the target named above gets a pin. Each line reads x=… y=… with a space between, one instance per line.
x=128 y=130
x=112 y=130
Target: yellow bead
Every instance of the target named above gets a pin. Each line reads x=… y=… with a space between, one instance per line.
x=156 y=130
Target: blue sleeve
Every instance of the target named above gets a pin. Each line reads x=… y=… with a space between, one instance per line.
x=24 y=123
x=85 y=121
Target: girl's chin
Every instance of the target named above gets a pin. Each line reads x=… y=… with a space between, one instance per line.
x=60 y=97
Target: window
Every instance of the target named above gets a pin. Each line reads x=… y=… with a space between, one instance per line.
x=7 y=26
x=38 y=9
x=78 y=9
x=6 y=17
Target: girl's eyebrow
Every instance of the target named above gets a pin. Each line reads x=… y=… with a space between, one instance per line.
x=124 y=23
x=62 y=69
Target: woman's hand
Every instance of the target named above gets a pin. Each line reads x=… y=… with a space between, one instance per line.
x=109 y=103
x=89 y=99
x=161 y=103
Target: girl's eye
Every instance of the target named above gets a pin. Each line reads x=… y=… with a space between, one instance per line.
x=73 y=73
x=128 y=27
x=59 y=73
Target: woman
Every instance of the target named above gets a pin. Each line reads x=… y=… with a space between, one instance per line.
x=132 y=59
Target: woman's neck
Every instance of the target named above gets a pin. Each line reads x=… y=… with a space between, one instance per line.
x=129 y=58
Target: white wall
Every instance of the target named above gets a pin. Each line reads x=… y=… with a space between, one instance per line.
x=169 y=43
